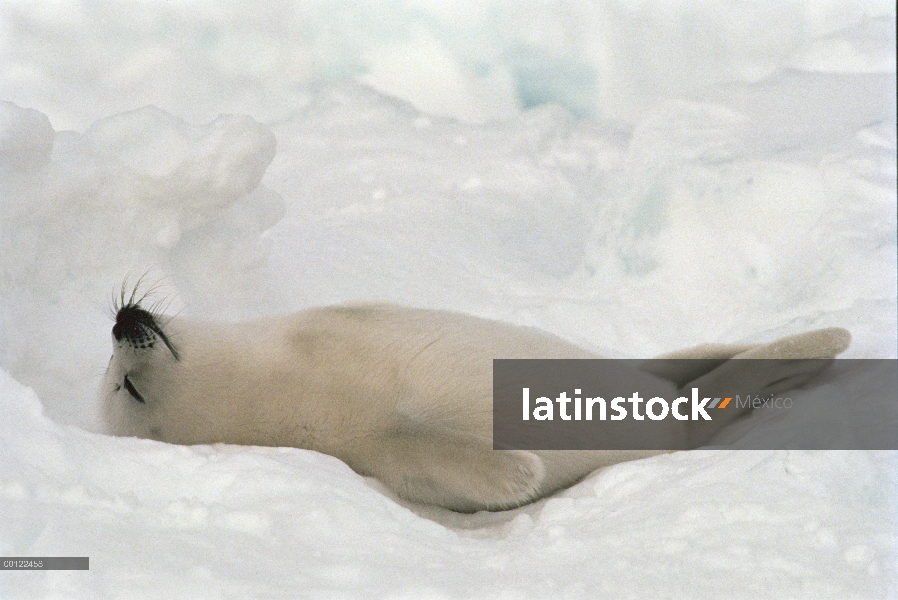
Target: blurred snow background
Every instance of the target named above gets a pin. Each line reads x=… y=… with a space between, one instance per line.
x=633 y=176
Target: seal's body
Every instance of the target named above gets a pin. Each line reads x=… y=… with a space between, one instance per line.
x=401 y=394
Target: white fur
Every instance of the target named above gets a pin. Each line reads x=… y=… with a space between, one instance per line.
x=401 y=394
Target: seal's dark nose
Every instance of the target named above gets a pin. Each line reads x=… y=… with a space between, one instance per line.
x=136 y=325
x=139 y=328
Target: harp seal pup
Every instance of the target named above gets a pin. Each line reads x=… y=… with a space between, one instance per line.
x=400 y=394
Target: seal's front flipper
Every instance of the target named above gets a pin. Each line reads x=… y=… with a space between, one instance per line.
x=462 y=472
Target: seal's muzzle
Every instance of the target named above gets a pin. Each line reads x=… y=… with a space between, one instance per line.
x=139 y=328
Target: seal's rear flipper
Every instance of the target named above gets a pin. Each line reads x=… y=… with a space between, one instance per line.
x=462 y=472
x=765 y=370
x=822 y=343
x=683 y=366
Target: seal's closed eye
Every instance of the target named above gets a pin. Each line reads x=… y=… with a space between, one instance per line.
x=133 y=391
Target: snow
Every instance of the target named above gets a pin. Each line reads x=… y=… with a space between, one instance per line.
x=636 y=177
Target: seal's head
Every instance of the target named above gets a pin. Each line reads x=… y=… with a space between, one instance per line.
x=141 y=347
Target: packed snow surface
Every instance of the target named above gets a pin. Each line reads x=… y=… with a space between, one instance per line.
x=634 y=177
